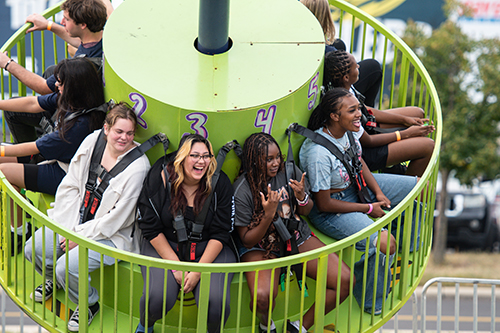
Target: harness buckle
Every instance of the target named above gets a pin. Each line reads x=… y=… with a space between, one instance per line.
x=196 y=237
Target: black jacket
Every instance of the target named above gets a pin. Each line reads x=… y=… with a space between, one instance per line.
x=155 y=216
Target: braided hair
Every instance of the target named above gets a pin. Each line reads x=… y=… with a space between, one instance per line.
x=254 y=165
x=337 y=65
x=330 y=103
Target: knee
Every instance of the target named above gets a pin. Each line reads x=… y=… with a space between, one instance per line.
x=384 y=243
x=28 y=251
x=61 y=273
x=419 y=112
x=262 y=300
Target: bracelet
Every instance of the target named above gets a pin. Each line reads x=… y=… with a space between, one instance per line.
x=2 y=151
x=303 y=202
x=398 y=136
x=8 y=63
x=49 y=25
x=370 y=209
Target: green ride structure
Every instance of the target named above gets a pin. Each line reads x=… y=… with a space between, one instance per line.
x=265 y=75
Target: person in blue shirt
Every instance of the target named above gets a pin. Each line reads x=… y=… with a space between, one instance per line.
x=81 y=27
x=80 y=88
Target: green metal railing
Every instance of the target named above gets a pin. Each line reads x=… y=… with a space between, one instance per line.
x=120 y=285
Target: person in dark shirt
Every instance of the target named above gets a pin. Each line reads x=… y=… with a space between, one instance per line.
x=80 y=88
x=264 y=197
x=181 y=188
x=82 y=27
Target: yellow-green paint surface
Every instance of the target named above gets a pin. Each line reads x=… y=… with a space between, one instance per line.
x=268 y=79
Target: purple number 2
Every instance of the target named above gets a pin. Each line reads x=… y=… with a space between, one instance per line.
x=140 y=106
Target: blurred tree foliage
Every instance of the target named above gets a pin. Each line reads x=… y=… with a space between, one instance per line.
x=466 y=74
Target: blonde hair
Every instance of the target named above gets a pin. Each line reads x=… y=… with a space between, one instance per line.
x=321 y=9
x=185 y=146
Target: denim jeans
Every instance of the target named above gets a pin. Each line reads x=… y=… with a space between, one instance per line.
x=340 y=226
x=94 y=262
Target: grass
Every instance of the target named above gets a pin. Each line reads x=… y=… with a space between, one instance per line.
x=465 y=265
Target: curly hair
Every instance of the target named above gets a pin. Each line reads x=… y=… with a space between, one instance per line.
x=177 y=177
x=337 y=65
x=254 y=165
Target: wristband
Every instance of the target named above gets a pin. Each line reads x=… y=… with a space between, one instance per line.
x=173 y=271
x=303 y=202
x=2 y=151
x=8 y=63
x=398 y=136
x=49 y=25
x=370 y=206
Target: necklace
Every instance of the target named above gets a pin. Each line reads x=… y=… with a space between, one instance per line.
x=343 y=145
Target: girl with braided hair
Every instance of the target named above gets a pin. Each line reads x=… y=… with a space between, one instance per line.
x=264 y=197
x=392 y=147
x=369 y=69
x=338 y=211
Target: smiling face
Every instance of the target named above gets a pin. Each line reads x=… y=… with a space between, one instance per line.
x=273 y=160
x=120 y=137
x=349 y=114
x=196 y=164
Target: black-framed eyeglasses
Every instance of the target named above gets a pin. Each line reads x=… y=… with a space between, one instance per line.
x=197 y=157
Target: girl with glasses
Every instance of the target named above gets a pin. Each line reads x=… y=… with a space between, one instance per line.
x=175 y=192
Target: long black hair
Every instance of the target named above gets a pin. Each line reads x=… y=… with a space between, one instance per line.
x=82 y=89
x=330 y=103
x=254 y=164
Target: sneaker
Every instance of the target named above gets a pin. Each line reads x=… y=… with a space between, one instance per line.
x=73 y=323
x=38 y=293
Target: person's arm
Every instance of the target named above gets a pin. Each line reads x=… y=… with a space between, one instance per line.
x=211 y=252
x=29 y=79
x=21 y=149
x=41 y=23
x=377 y=140
x=299 y=189
x=250 y=237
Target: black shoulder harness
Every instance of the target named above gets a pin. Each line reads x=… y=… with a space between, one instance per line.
x=94 y=191
x=187 y=241
x=351 y=159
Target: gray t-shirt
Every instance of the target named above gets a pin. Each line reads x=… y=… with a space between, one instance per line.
x=244 y=206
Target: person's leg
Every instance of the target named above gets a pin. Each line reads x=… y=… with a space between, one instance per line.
x=263 y=292
x=370 y=79
x=331 y=284
x=156 y=291
x=14 y=173
x=396 y=188
x=42 y=242
x=216 y=293
x=417 y=150
x=409 y=111
x=22 y=125
x=340 y=226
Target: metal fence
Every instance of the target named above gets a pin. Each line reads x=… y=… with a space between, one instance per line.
x=120 y=285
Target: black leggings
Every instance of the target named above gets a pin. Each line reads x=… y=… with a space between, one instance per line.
x=156 y=283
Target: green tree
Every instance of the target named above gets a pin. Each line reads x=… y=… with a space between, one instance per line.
x=461 y=68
